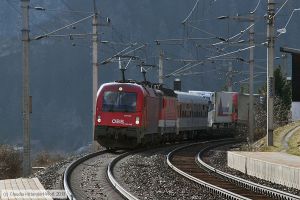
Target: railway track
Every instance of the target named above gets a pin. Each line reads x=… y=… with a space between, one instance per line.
x=186 y=160
x=99 y=176
x=147 y=176
x=86 y=178
x=110 y=172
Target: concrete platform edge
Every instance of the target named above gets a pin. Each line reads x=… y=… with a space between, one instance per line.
x=273 y=172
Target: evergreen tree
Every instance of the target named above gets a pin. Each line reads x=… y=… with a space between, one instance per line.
x=282 y=99
x=283 y=88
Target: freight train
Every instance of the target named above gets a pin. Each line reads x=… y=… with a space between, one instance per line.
x=131 y=114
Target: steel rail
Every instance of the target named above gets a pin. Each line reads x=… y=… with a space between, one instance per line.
x=126 y=194
x=274 y=193
x=71 y=167
x=212 y=188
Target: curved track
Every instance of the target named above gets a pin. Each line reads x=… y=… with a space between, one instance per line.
x=184 y=161
x=274 y=193
x=147 y=176
x=92 y=177
x=86 y=178
x=114 y=182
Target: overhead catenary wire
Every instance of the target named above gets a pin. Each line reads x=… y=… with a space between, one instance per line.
x=241 y=33
x=140 y=47
x=224 y=41
x=197 y=60
x=233 y=52
x=179 y=41
x=178 y=70
x=64 y=27
x=187 y=67
x=122 y=54
x=280 y=8
x=71 y=36
x=115 y=55
x=80 y=35
x=202 y=20
x=257 y=5
x=85 y=35
x=256 y=75
x=283 y=30
x=227 y=41
x=194 y=73
x=191 y=12
x=58 y=10
x=204 y=31
x=187 y=19
x=220 y=38
x=234 y=36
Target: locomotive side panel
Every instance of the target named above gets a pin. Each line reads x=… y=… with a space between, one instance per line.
x=151 y=114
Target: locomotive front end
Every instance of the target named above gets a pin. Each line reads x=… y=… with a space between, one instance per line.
x=118 y=119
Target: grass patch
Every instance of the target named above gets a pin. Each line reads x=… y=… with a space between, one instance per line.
x=294 y=144
x=10 y=162
x=278 y=134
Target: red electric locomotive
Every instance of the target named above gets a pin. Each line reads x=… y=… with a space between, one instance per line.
x=129 y=114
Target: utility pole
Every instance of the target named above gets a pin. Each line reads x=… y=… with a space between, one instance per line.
x=229 y=83
x=161 y=68
x=95 y=70
x=26 y=98
x=270 y=70
x=251 y=66
x=250 y=19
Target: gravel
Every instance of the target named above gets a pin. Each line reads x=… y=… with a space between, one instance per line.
x=218 y=159
x=88 y=180
x=52 y=177
x=148 y=176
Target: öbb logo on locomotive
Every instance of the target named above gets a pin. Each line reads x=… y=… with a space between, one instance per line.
x=117 y=121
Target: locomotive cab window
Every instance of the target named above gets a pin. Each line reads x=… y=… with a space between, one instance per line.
x=119 y=102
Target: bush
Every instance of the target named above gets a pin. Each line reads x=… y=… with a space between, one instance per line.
x=45 y=159
x=281 y=116
x=10 y=162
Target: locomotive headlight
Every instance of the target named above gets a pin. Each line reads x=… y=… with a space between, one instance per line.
x=137 y=120
x=99 y=119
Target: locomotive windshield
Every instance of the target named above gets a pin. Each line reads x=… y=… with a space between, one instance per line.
x=119 y=102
